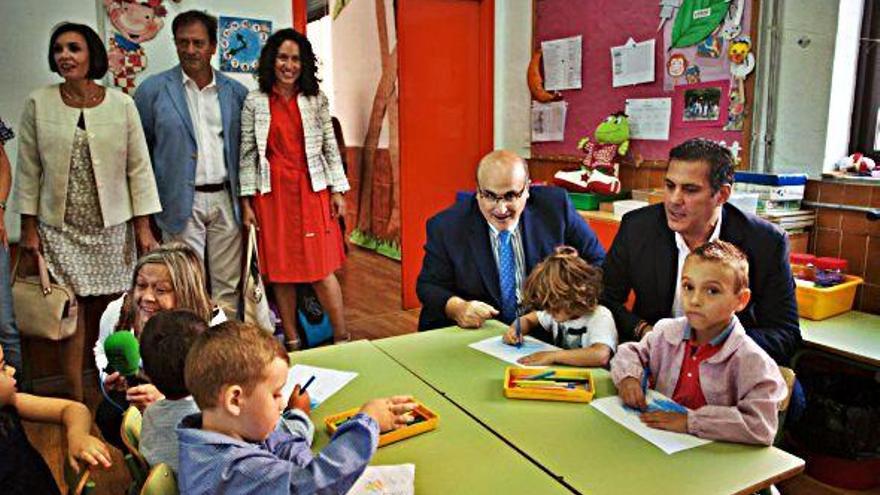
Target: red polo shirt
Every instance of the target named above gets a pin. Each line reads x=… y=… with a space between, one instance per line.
x=688 y=391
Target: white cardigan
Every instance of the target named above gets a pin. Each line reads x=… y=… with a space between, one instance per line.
x=322 y=152
x=120 y=160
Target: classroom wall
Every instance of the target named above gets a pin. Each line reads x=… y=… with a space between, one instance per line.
x=513 y=48
x=804 y=85
x=604 y=24
x=26 y=47
x=25 y=63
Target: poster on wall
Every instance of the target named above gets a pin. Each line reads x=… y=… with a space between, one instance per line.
x=548 y=121
x=134 y=23
x=562 y=63
x=707 y=59
x=241 y=40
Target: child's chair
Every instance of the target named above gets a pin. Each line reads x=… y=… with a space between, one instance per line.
x=78 y=483
x=788 y=377
x=130 y=431
x=161 y=481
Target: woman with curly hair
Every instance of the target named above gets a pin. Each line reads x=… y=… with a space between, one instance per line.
x=292 y=179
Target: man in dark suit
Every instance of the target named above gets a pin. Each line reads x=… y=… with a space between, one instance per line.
x=648 y=252
x=479 y=251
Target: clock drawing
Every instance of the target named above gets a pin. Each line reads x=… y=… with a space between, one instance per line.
x=241 y=40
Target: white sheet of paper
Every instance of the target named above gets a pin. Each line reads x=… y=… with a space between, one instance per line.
x=548 y=121
x=649 y=118
x=386 y=480
x=632 y=63
x=668 y=441
x=327 y=382
x=495 y=346
x=562 y=63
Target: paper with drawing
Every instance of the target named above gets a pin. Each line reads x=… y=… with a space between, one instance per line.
x=496 y=347
x=386 y=480
x=668 y=441
x=327 y=382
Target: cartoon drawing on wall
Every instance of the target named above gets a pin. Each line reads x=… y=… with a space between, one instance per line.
x=732 y=26
x=692 y=74
x=677 y=66
x=711 y=46
x=742 y=63
x=697 y=19
x=134 y=23
x=241 y=41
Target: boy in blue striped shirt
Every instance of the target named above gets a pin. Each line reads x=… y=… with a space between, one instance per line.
x=235 y=372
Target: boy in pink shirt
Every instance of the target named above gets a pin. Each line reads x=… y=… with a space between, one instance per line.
x=705 y=361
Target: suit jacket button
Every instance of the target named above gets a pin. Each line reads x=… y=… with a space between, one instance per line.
x=195 y=156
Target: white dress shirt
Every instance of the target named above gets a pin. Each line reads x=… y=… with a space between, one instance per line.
x=683 y=251
x=204 y=111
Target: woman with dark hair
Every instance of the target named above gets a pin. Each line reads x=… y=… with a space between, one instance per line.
x=292 y=179
x=85 y=186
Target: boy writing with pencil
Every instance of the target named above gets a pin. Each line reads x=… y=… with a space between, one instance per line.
x=236 y=372
x=566 y=289
x=704 y=361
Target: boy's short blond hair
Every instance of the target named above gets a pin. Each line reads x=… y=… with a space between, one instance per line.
x=231 y=353
x=725 y=253
x=563 y=281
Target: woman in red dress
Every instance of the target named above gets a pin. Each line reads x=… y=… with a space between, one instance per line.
x=292 y=180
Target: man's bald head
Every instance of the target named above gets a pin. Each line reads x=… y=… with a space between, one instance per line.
x=502 y=188
x=502 y=162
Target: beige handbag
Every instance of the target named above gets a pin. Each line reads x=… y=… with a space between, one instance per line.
x=42 y=309
x=255 y=305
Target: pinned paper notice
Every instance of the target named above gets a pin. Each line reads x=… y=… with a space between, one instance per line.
x=548 y=121
x=649 y=118
x=632 y=63
x=562 y=63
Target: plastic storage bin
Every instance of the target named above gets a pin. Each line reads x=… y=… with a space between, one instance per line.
x=747 y=202
x=584 y=201
x=582 y=379
x=818 y=303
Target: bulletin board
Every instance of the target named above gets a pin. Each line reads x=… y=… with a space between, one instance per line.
x=604 y=24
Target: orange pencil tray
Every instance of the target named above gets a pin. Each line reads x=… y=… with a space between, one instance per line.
x=581 y=393
x=427 y=420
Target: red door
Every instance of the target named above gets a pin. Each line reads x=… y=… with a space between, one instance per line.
x=445 y=59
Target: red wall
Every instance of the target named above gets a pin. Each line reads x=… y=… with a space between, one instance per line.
x=445 y=65
x=603 y=24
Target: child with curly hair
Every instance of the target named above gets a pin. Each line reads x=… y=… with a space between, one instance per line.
x=564 y=289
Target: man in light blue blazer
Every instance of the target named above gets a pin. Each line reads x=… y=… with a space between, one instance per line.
x=191 y=116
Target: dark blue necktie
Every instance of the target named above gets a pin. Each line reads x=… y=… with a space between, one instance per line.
x=506 y=276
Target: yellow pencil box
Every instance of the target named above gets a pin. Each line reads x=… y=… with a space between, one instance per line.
x=531 y=383
x=424 y=420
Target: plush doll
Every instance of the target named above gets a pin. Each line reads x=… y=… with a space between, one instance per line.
x=135 y=22
x=612 y=142
x=858 y=164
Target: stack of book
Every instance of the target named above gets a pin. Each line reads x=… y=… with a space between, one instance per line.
x=779 y=198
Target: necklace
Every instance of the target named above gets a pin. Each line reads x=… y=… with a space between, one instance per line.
x=89 y=98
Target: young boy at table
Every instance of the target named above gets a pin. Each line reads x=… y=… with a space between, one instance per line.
x=704 y=361
x=566 y=289
x=235 y=372
x=164 y=343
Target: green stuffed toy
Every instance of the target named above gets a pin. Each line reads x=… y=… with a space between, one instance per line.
x=612 y=142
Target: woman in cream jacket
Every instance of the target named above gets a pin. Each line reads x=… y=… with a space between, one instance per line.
x=84 y=185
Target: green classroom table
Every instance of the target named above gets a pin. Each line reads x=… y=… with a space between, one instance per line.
x=853 y=335
x=460 y=456
x=586 y=449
